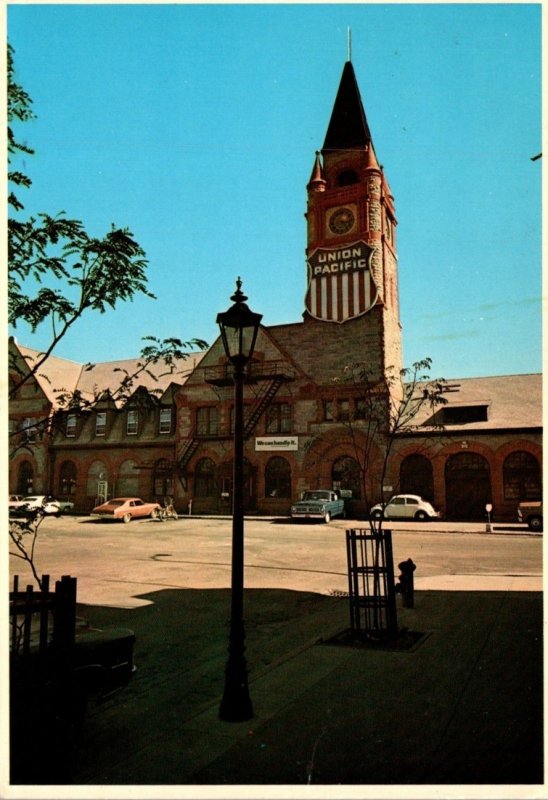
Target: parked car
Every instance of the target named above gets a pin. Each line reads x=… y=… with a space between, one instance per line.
x=125 y=509
x=530 y=511
x=318 y=504
x=405 y=506
x=15 y=500
x=35 y=502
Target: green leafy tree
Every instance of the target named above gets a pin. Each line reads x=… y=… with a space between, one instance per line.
x=57 y=272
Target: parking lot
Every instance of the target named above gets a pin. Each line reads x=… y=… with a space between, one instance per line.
x=168 y=582
x=117 y=563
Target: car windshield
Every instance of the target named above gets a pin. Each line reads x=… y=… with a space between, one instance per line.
x=316 y=496
x=115 y=503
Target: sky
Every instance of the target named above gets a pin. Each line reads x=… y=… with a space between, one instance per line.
x=196 y=126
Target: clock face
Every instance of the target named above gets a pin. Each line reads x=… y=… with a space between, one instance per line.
x=341 y=221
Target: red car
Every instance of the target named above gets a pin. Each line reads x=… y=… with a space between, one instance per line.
x=125 y=509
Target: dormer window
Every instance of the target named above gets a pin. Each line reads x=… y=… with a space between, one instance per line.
x=460 y=415
x=132 y=424
x=100 y=423
x=70 y=428
x=29 y=429
x=165 y=420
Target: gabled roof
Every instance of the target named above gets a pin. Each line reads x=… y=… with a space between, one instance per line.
x=156 y=378
x=55 y=375
x=58 y=375
x=348 y=128
x=268 y=352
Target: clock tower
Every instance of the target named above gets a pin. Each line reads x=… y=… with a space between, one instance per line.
x=351 y=238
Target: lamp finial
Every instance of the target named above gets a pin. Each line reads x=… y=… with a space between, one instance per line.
x=238 y=296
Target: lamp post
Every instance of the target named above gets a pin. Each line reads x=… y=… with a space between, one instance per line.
x=239 y=327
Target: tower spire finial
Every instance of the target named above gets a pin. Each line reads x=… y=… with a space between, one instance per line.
x=349 y=44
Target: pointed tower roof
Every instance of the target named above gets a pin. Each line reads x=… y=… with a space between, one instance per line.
x=348 y=128
x=317 y=180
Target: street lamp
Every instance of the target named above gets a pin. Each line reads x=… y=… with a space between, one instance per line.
x=239 y=327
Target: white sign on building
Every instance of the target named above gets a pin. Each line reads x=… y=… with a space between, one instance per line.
x=277 y=443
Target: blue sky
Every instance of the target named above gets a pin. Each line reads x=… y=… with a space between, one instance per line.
x=196 y=126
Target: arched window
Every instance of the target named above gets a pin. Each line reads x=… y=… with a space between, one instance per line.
x=67 y=478
x=416 y=476
x=204 y=478
x=162 y=479
x=127 y=484
x=347 y=177
x=521 y=476
x=25 y=478
x=277 y=478
x=345 y=474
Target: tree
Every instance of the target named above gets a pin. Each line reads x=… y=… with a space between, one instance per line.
x=57 y=272
x=23 y=535
x=382 y=411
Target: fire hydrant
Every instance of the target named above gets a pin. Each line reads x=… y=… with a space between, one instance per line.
x=406 y=585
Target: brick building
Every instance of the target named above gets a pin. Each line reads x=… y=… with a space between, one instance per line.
x=110 y=442
x=306 y=421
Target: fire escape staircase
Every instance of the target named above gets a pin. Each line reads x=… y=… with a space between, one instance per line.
x=262 y=402
x=189 y=447
x=273 y=376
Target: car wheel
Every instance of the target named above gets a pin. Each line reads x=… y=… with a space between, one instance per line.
x=376 y=514
x=535 y=523
x=327 y=517
x=421 y=516
x=127 y=518
x=154 y=514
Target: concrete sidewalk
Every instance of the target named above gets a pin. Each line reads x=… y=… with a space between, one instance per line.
x=464 y=706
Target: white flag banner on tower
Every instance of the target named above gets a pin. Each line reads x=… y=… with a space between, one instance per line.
x=340 y=282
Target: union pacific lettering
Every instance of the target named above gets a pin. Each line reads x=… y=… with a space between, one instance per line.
x=332 y=262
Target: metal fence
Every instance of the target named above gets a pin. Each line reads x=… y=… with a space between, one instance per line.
x=371 y=587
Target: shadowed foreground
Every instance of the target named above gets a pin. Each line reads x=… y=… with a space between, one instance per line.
x=464 y=706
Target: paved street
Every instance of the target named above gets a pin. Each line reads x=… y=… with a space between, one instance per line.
x=116 y=564
x=465 y=706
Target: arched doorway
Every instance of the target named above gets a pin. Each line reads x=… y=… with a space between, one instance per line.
x=162 y=480
x=97 y=486
x=467 y=486
x=416 y=476
x=249 y=487
x=204 y=478
x=25 y=478
x=127 y=484
x=345 y=474
x=277 y=478
x=206 y=495
x=67 y=479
